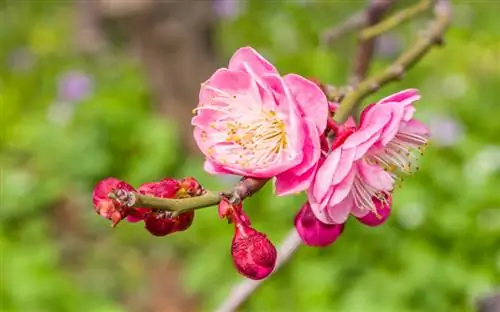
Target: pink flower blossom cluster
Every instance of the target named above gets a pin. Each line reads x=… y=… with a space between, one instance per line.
x=254 y=122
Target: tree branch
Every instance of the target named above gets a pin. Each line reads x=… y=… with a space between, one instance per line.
x=443 y=10
x=409 y=58
x=364 y=53
x=490 y=303
x=245 y=188
x=397 y=19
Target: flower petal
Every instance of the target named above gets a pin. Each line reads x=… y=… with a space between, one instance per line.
x=253 y=60
x=310 y=98
x=374 y=121
x=345 y=165
x=300 y=177
x=401 y=96
x=343 y=189
x=416 y=127
x=340 y=212
x=324 y=176
x=375 y=176
x=288 y=112
x=393 y=125
x=214 y=168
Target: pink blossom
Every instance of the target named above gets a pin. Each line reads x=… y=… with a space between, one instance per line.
x=251 y=121
x=314 y=232
x=370 y=160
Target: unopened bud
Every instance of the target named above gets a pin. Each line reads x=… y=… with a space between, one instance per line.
x=107 y=207
x=167 y=188
x=314 y=232
x=254 y=256
x=158 y=224
x=183 y=221
x=189 y=187
x=138 y=214
x=383 y=207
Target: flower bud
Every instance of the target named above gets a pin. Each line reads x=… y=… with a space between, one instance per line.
x=107 y=207
x=254 y=256
x=189 y=187
x=226 y=210
x=383 y=207
x=183 y=221
x=166 y=188
x=312 y=231
x=138 y=214
x=158 y=224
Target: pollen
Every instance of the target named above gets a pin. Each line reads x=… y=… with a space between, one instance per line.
x=243 y=132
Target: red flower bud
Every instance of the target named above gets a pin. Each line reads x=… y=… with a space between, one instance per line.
x=107 y=207
x=166 y=188
x=183 y=221
x=158 y=224
x=383 y=207
x=254 y=256
x=189 y=187
x=138 y=214
x=314 y=232
x=225 y=210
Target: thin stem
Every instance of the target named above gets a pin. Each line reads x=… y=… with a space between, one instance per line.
x=177 y=205
x=245 y=188
x=402 y=64
x=395 y=20
x=366 y=47
x=330 y=124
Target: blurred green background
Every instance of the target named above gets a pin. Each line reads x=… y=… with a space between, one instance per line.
x=72 y=114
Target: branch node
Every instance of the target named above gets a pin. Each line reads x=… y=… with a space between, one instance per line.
x=124 y=197
x=232 y=197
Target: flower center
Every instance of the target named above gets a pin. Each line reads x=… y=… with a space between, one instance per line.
x=243 y=132
x=363 y=195
x=400 y=154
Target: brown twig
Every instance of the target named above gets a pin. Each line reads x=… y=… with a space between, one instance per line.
x=396 y=19
x=410 y=57
x=490 y=303
x=364 y=52
x=443 y=11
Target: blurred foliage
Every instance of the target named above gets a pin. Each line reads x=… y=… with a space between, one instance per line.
x=437 y=253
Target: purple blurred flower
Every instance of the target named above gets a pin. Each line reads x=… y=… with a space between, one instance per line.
x=228 y=9
x=445 y=130
x=74 y=86
x=21 y=60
